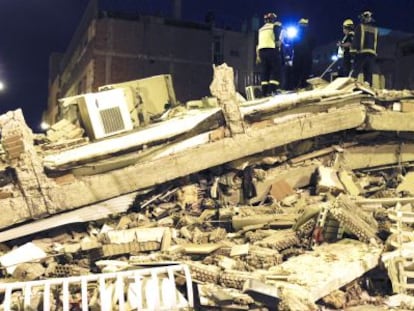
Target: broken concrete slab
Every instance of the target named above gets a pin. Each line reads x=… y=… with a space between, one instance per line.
x=280 y=190
x=347 y=179
x=28 y=252
x=375 y=156
x=407 y=184
x=93 y=212
x=328 y=267
x=267 y=294
x=159 y=132
x=390 y=121
x=328 y=181
x=192 y=248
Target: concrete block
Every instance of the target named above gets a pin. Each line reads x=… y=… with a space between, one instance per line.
x=407 y=185
x=407 y=106
x=281 y=189
x=262 y=292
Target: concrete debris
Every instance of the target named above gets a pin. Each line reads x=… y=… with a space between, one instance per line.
x=328 y=181
x=26 y=253
x=348 y=180
x=283 y=203
x=407 y=184
x=64 y=131
x=401 y=302
x=336 y=299
x=223 y=88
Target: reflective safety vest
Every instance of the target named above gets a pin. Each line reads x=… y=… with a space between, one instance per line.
x=368 y=39
x=348 y=38
x=267 y=37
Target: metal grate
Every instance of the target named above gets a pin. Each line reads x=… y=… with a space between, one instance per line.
x=112 y=120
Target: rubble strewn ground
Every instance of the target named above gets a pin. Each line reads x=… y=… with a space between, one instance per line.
x=314 y=222
x=272 y=240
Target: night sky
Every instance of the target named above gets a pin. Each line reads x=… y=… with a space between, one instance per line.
x=32 y=29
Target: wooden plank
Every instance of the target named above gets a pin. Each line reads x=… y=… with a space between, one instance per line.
x=340 y=83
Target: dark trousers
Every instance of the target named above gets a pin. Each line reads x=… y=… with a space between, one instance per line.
x=270 y=70
x=302 y=68
x=365 y=63
x=287 y=77
x=346 y=65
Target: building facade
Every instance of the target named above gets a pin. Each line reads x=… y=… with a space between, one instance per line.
x=110 y=47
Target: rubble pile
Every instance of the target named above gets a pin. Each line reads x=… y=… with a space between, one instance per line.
x=302 y=201
x=236 y=251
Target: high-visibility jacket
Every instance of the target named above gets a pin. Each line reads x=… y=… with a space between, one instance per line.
x=269 y=36
x=346 y=50
x=366 y=39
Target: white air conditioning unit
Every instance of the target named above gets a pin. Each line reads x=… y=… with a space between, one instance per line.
x=153 y=94
x=105 y=113
x=253 y=92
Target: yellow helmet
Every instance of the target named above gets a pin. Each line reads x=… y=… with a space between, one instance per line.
x=348 y=23
x=303 y=21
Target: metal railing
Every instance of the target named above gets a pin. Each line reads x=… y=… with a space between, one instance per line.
x=144 y=289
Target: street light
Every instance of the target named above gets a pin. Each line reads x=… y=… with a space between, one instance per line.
x=1 y=86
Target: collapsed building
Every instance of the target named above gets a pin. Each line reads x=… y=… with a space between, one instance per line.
x=299 y=201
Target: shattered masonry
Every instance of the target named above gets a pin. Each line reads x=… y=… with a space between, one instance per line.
x=296 y=202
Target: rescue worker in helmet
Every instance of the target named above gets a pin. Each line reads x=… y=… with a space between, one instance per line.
x=268 y=54
x=345 y=52
x=302 y=55
x=365 y=44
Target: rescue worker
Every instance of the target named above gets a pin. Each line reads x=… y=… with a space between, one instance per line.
x=268 y=54
x=345 y=51
x=286 y=52
x=365 y=44
x=302 y=54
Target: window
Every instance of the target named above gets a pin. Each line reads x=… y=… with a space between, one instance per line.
x=218 y=56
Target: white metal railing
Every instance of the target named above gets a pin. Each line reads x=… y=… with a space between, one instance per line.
x=143 y=289
x=399 y=262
